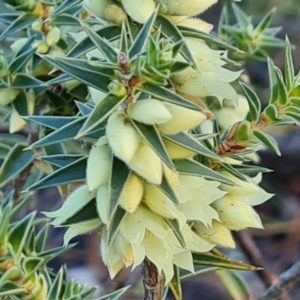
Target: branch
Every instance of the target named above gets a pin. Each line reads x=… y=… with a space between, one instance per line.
x=153 y=283
x=254 y=256
x=285 y=282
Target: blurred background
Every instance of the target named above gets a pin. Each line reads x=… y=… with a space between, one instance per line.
x=279 y=243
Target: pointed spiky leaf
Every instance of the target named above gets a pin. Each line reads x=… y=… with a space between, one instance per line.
x=187 y=141
x=267 y=140
x=165 y=94
x=152 y=137
x=100 y=112
x=73 y=172
x=175 y=284
x=142 y=37
x=15 y=162
x=194 y=168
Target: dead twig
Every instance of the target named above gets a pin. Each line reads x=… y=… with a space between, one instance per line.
x=153 y=283
x=284 y=283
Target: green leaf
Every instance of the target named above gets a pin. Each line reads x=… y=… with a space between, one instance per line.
x=173 y=224
x=251 y=170
x=205 y=259
x=40 y=239
x=103 y=45
x=64 y=20
x=115 y=223
x=4 y=150
x=20 y=61
x=73 y=172
x=289 y=72
x=267 y=140
x=9 y=18
x=140 y=41
x=283 y=96
x=55 y=289
x=194 y=168
x=19 y=234
x=24 y=81
x=83 y=108
x=171 y=32
x=293 y=112
x=119 y=175
x=231 y=169
x=271 y=111
x=167 y=189
x=61 y=160
x=187 y=141
x=152 y=137
x=253 y=101
x=50 y=121
x=184 y=274
x=65 y=6
x=209 y=38
x=66 y=132
x=175 y=284
x=272 y=82
x=111 y=33
x=100 y=112
x=23 y=21
x=234 y=284
x=114 y=295
x=15 y=162
x=91 y=74
x=242 y=18
x=165 y=94
x=87 y=213
x=264 y=23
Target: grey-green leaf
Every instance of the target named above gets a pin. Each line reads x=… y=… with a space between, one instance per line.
x=100 y=112
x=185 y=140
x=15 y=162
x=267 y=140
x=194 y=168
x=73 y=172
x=154 y=140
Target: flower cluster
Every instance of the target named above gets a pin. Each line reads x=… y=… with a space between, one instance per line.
x=163 y=209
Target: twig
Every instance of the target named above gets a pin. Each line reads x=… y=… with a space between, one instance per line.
x=153 y=283
x=285 y=282
x=253 y=254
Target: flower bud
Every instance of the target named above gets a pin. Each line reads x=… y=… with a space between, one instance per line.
x=43 y=47
x=118 y=89
x=175 y=151
x=53 y=36
x=194 y=24
x=16 y=123
x=235 y=213
x=149 y=111
x=139 y=11
x=182 y=119
x=147 y=164
x=158 y=202
x=216 y=234
x=132 y=193
x=37 y=26
x=186 y=8
x=98 y=166
x=107 y=10
x=18 y=44
x=102 y=201
x=172 y=176
x=243 y=133
x=242 y=188
x=8 y=95
x=122 y=136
